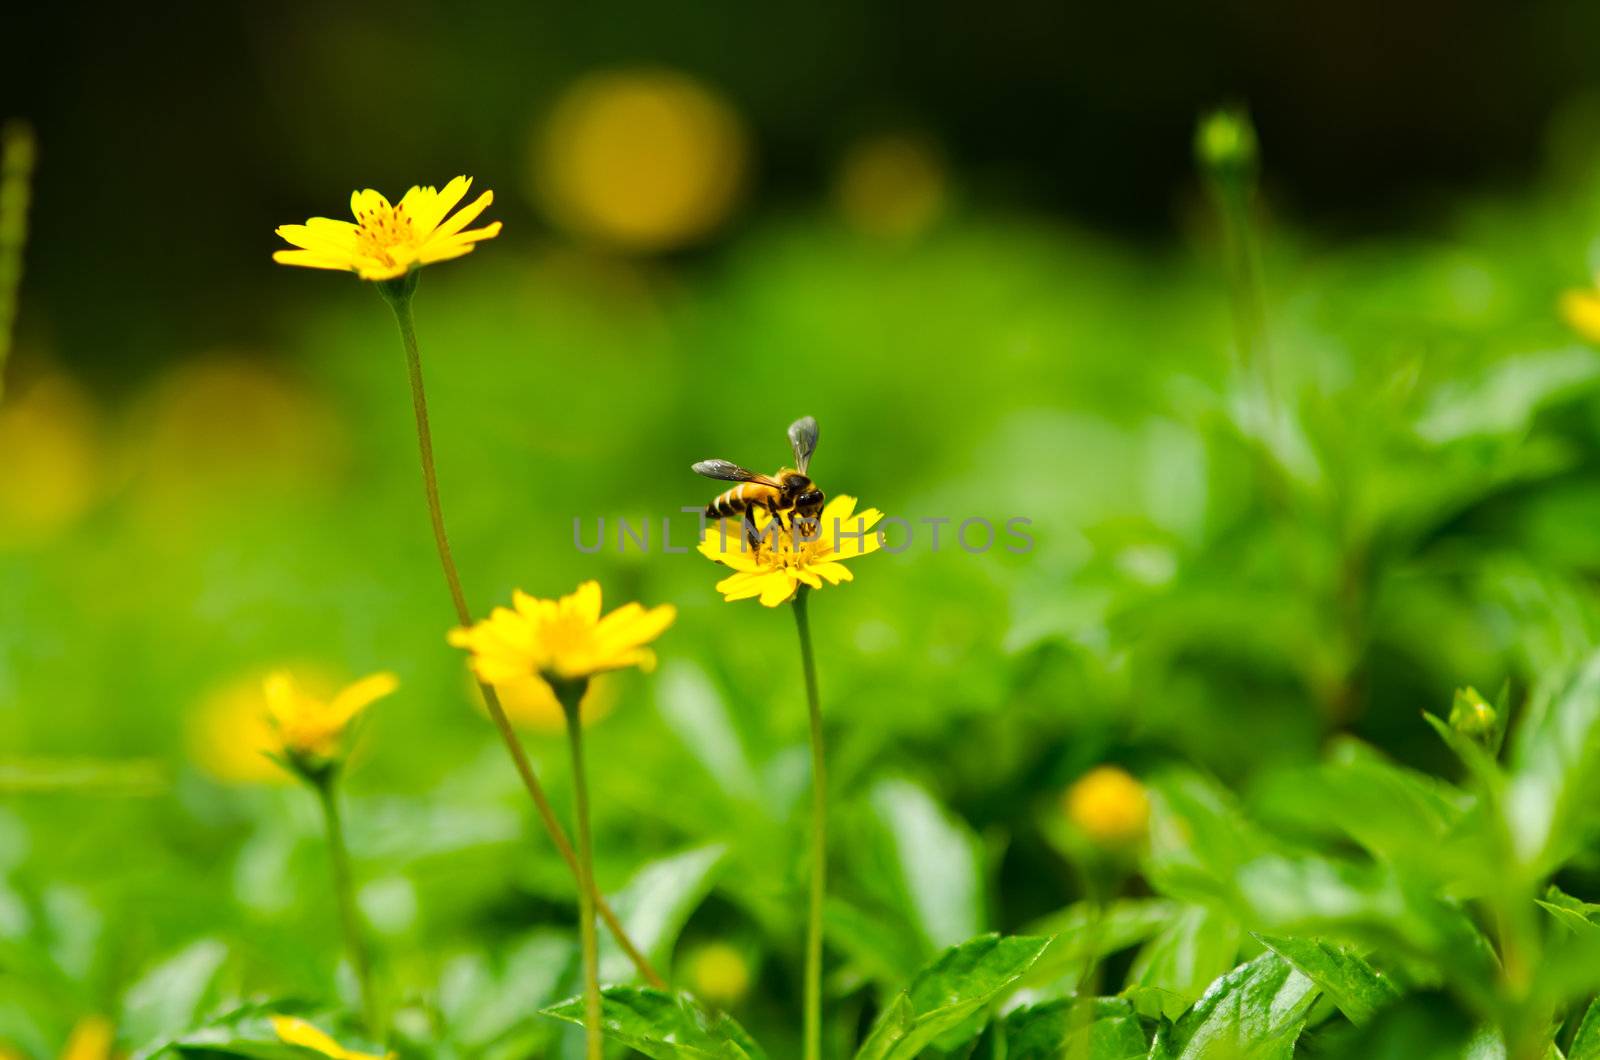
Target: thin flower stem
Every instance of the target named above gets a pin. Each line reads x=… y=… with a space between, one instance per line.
x=819 y=838
x=571 y=698
x=399 y=299
x=344 y=893
x=16 y=174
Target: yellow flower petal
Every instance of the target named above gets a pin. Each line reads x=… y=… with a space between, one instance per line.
x=776 y=589
x=295 y=1031
x=562 y=640
x=386 y=242
x=310 y=259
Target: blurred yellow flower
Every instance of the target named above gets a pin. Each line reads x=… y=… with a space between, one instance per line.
x=311 y=728
x=782 y=559
x=644 y=160
x=718 y=973
x=1109 y=806
x=386 y=242
x=530 y=703
x=561 y=640
x=223 y=426
x=53 y=464
x=1581 y=310
x=91 y=1040
x=298 y=1032
x=892 y=187
x=230 y=737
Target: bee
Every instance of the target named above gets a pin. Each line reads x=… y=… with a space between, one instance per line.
x=787 y=490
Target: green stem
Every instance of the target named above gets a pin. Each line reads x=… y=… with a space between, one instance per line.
x=16 y=175
x=345 y=895
x=571 y=696
x=398 y=294
x=819 y=837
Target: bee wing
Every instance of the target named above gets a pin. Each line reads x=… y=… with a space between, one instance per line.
x=803 y=438
x=730 y=472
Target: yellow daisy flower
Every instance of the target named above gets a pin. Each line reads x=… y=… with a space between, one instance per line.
x=298 y=1032
x=310 y=728
x=781 y=561
x=386 y=242
x=561 y=641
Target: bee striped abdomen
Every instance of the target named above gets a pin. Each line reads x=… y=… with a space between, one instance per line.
x=740 y=499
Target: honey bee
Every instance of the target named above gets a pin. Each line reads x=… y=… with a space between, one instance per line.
x=787 y=490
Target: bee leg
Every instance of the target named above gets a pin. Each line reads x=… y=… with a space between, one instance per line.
x=751 y=535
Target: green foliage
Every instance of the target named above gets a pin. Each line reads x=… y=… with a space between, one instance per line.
x=939 y=1004
x=665 y=1026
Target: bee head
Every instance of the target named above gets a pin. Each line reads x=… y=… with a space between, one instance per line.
x=808 y=502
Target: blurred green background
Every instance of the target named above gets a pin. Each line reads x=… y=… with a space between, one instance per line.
x=974 y=247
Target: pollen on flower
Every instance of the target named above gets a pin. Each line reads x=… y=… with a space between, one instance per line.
x=386 y=241
x=784 y=557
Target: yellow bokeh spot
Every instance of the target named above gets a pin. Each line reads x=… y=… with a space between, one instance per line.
x=531 y=705
x=1109 y=806
x=1581 y=310
x=91 y=1040
x=227 y=424
x=230 y=731
x=718 y=973
x=52 y=466
x=643 y=160
x=892 y=187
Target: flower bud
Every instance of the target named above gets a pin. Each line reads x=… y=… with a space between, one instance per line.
x=1476 y=718
x=1109 y=806
x=719 y=974
x=1225 y=144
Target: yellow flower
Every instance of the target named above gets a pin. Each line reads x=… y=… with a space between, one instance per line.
x=1108 y=806
x=1581 y=310
x=530 y=703
x=91 y=1039
x=782 y=560
x=310 y=728
x=386 y=242
x=298 y=1032
x=561 y=641
x=719 y=973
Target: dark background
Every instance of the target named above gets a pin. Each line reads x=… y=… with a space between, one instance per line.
x=174 y=134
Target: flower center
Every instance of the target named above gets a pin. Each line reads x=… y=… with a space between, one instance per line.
x=381 y=229
x=792 y=548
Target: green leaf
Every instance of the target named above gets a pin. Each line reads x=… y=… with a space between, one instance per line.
x=1104 y=1029
x=1187 y=956
x=1553 y=776
x=936 y=861
x=1086 y=931
x=945 y=995
x=1255 y=1012
x=167 y=1000
x=244 y=1031
x=1350 y=982
x=663 y=1025
x=654 y=906
x=1574 y=914
x=1586 y=1044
